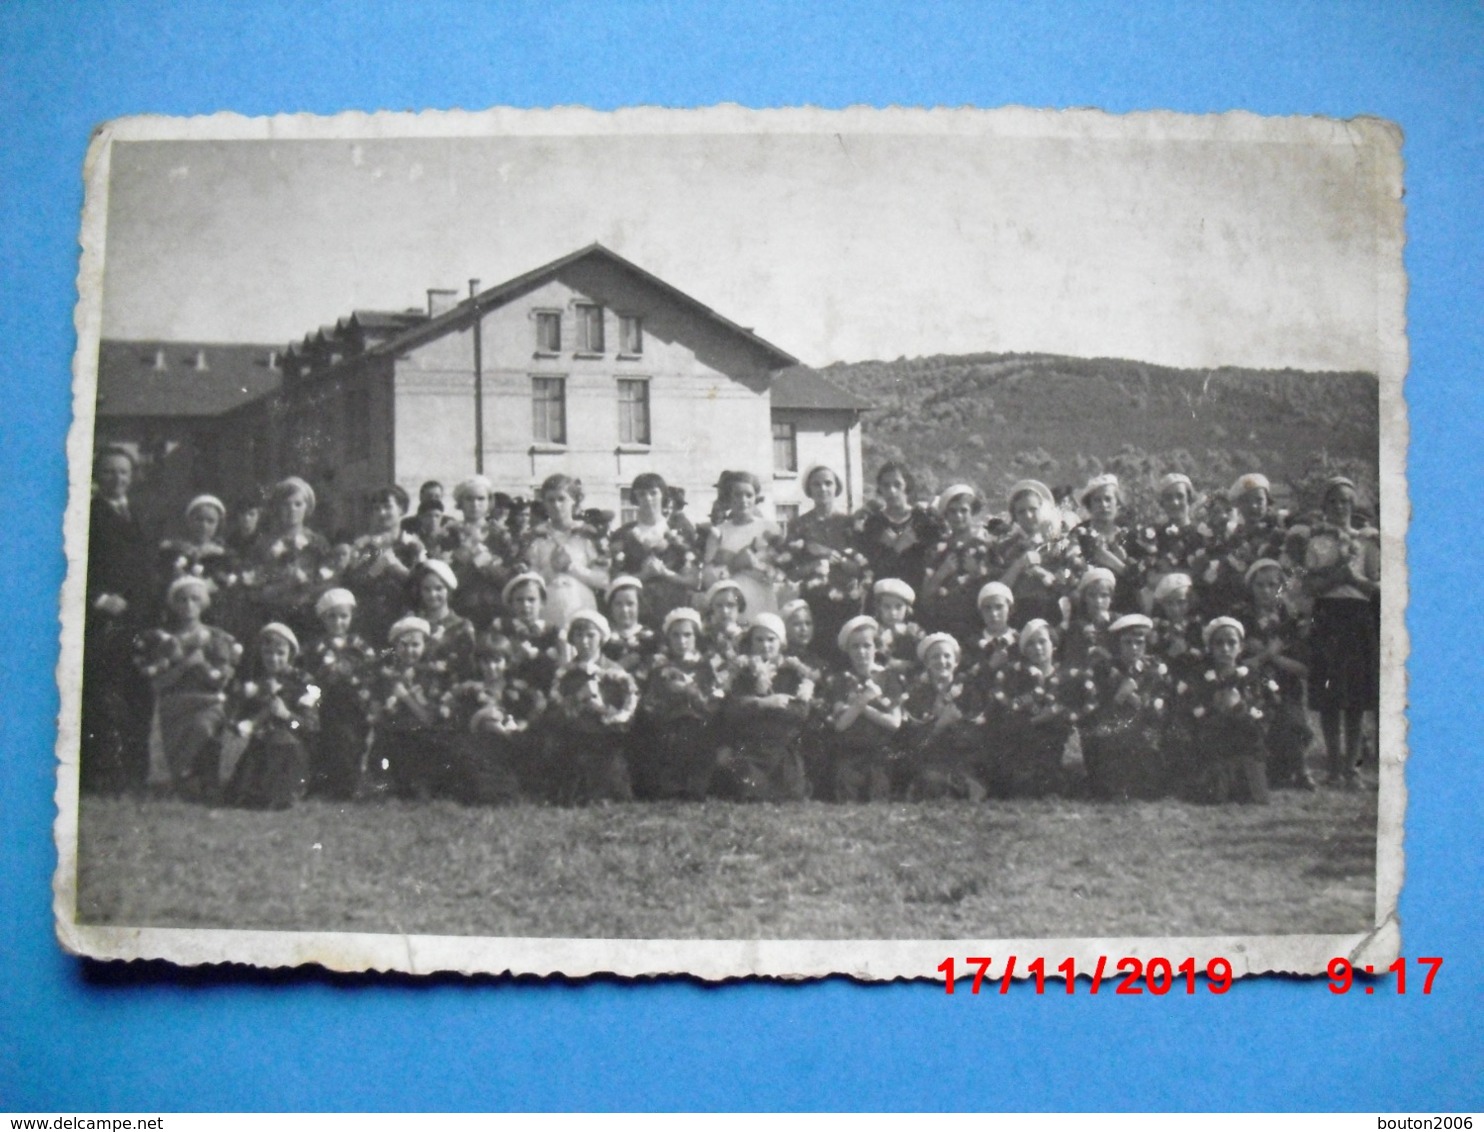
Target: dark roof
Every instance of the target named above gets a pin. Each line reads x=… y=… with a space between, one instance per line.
x=459 y=314
x=803 y=388
x=132 y=382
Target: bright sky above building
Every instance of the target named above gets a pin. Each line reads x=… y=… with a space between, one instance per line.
x=833 y=247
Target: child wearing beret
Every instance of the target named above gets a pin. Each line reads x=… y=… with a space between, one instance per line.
x=1041 y=564
x=957 y=565
x=633 y=644
x=1123 y=735
x=277 y=711
x=1034 y=703
x=412 y=751
x=450 y=643
x=1228 y=704
x=674 y=750
x=725 y=636
x=864 y=702
x=539 y=648
x=995 y=644
x=897 y=635
x=766 y=708
x=1106 y=541
x=492 y=717
x=942 y=714
x=1086 y=640
x=341 y=663
x=593 y=701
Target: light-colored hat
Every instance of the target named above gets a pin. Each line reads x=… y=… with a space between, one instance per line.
x=1096 y=574
x=809 y=475
x=189 y=582
x=792 y=607
x=681 y=613
x=469 y=484
x=769 y=623
x=1107 y=479
x=949 y=494
x=207 y=501
x=1168 y=481
x=333 y=598
x=521 y=579
x=621 y=582
x=409 y=624
x=1035 y=487
x=593 y=618
x=1171 y=584
x=1252 y=481
x=937 y=639
x=441 y=570
x=1261 y=564
x=847 y=630
x=1131 y=621
x=282 y=632
x=1033 y=629
x=721 y=586
x=1338 y=481
x=1223 y=623
x=896 y=588
x=992 y=589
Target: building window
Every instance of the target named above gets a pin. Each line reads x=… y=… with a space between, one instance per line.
x=633 y=411
x=589 y=329
x=630 y=334
x=785 y=447
x=549 y=410
x=628 y=510
x=548 y=332
x=358 y=423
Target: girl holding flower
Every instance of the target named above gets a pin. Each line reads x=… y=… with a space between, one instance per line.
x=819 y=556
x=1123 y=736
x=277 y=712
x=893 y=532
x=570 y=555
x=480 y=551
x=1041 y=564
x=766 y=707
x=659 y=549
x=1034 y=703
x=957 y=566
x=289 y=564
x=1105 y=541
x=381 y=562
x=741 y=547
x=594 y=701
x=942 y=713
x=865 y=712
x=340 y=662
x=674 y=755
x=1228 y=705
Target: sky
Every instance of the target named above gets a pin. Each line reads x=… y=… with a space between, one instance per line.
x=835 y=246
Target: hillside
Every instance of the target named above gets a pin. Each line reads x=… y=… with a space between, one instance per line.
x=993 y=418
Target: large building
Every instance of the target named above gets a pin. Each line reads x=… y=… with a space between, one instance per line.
x=589 y=366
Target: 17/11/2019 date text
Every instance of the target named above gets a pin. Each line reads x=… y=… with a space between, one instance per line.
x=1156 y=975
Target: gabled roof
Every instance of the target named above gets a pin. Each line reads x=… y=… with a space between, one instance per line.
x=804 y=388
x=459 y=315
x=162 y=379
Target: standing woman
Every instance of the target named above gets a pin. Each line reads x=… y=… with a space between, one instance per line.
x=479 y=549
x=289 y=565
x=659 y=549
x=1042 y=565
x=958 y=566
x=894 y=533
x=570 y=556
x=1104 y=540
x=819 y=558
x=742 y=544
x=1342 y=573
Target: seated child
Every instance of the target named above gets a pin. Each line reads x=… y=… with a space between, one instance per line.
x=492 y=716
x=898 y=636
x=994 y=645
x=539 y=648
x=412 y=750
x=1035 y=703
x=277 y=711
x=865 y=710
x=941 y=731
x=1228 y=705
x=593 y=700
x=1086 y=640
x=340 y=662
x=1275 y=644
x=725 y=630
x=189 y=667
x=633 y=644
x=766 y=708
x=1122 y=737
x=674 y=752
x=798 y=619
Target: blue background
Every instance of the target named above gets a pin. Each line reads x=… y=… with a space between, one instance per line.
x=77 y=1036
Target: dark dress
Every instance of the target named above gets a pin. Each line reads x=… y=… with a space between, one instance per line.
x=1123 y=735
x=953 y=606
x=381 y=591
x=343 y=668
x=946 y=761
x=674 y=750
x=830 y=573
x=861 y=756
x=282 y=577
x=896 y=548
x=675 y=550
x=1029 y=717
x=1288 y=734
x=592 y=706
x=1228 y=752
x=116 y=697
x=763 y=762
x=273 y=770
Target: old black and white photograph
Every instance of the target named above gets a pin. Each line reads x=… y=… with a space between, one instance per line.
x=735 y=543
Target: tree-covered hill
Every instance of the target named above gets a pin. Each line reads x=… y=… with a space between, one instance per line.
x=990 y=419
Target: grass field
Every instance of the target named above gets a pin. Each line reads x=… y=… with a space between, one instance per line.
x=1306 y=863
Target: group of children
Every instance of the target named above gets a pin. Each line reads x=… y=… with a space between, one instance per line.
x=908 y=651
